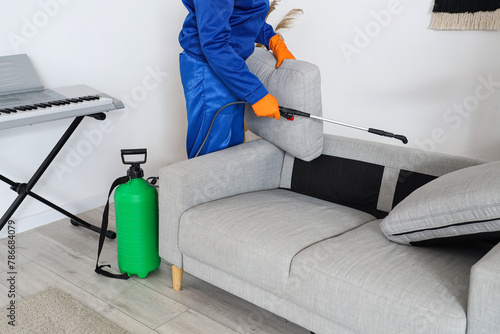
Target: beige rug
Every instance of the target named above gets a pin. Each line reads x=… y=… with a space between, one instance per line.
x=52 y=311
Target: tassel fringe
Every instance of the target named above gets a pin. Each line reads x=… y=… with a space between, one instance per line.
x=466 y=21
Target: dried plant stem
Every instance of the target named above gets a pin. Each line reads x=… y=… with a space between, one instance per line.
x=289 y=19
x=286 y=22
x=272 y=7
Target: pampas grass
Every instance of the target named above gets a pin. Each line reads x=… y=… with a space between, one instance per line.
x=272 y=7
x=288 y=20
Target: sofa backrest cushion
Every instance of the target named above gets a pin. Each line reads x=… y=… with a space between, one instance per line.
x=296 y=85
x=369 y=176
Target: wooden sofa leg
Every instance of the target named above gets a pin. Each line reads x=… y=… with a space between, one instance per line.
x=177 y=277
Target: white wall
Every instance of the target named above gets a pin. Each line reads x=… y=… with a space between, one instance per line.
x=402 y=77
x=381 y=67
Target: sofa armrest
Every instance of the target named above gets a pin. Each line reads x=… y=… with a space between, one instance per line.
x=483 y=311
x=243 y=168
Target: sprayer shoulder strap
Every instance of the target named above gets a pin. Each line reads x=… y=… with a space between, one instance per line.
x=104 y=227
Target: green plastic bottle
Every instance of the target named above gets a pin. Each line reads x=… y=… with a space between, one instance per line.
x=136 y=209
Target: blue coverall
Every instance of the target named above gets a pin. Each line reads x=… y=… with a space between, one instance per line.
x=217 y=37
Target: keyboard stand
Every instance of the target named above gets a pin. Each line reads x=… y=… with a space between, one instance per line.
x=24 y=189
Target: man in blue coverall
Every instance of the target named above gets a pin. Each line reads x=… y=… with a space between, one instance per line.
x=217 y=37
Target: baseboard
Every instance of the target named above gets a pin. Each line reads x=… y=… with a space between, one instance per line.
x=23 y=224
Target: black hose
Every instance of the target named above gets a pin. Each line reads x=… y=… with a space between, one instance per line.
x=211 y=124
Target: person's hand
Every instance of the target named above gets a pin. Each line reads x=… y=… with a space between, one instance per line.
x=267 y=106
x=278 y=47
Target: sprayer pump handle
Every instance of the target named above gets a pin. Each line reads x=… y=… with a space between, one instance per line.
x=136 y=151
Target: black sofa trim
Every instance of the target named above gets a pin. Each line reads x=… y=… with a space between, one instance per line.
x=408 y=182
x=348 y=182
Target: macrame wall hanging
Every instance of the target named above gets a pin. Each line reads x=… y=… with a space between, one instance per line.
x=466 y=15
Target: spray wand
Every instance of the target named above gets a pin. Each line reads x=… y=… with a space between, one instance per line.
x=291 y=113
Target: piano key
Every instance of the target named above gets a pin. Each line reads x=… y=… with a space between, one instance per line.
x=42 y=105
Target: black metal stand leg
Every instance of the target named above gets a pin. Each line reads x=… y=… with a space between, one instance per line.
x=24 y=189
x=76 y=221
x=110 y=234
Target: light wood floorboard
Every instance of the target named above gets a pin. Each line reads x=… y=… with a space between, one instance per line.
x=63 y=256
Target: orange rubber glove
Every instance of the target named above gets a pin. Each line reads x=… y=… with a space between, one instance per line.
x=267 y=106
x=278 y=47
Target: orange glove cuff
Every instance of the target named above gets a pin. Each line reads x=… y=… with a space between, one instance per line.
x=267 y=106
x=278 y=47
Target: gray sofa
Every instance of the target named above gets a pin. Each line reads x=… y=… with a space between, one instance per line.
x=302 y=224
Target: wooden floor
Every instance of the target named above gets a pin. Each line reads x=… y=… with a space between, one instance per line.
x=63 y=256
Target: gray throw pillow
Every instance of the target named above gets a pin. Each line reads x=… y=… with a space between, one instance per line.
x=459 y=206
x=296 y=85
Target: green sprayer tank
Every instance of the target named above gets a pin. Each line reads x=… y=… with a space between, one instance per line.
x=136 y=209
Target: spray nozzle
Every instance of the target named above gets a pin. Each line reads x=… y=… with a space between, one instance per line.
x=139 y=156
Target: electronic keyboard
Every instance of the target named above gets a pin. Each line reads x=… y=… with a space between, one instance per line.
x=29 y=108
x=24 y=101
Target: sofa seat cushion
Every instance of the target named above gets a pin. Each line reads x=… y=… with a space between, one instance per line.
x=254 y=236
x=371 y=285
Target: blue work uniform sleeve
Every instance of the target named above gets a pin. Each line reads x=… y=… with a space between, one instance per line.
x=266 y=33
x=213 y=20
